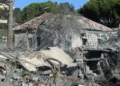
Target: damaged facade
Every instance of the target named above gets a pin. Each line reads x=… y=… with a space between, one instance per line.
x=64 y=31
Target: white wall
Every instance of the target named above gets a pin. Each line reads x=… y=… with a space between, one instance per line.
x=76 y=41
x=3 y=21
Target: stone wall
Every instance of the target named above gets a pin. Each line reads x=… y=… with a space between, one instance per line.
x=25 y=41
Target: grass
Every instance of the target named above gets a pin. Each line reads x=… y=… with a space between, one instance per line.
x=3 y=32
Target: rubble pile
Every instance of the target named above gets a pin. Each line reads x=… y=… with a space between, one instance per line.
x=53 y=67
x=39 y=67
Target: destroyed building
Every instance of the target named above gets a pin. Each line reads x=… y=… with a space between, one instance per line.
x=64 y=31
x=51 y=66
x=43 y=55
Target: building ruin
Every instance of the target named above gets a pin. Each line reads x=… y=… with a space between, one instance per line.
x=64 y=31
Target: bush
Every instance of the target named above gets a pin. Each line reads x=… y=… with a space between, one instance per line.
x=3 y=26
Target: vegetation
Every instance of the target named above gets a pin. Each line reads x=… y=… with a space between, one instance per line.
x=3 y=32
x=3 y=15
x=65 y=8
x=102 y=11
x=3 y=26
x=37 y=9
x=16 y=15
x=3 y=1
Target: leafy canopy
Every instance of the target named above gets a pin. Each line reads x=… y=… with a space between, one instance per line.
x=102 y=11
x=36 y=9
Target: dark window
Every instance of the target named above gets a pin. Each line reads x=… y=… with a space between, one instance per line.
x=84 y=41
x=38 y=41
x=83 y=34
x=30 y=42
x=100 y=41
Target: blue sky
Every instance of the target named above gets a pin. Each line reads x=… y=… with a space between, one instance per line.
x=22 y=3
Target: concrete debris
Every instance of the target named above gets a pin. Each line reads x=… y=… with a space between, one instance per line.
x=53 y=67
x=41 y=59
x=58 y=54
x=31 y=64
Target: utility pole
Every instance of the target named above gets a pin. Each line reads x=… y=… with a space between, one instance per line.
x=10 y=25
x=10 y=41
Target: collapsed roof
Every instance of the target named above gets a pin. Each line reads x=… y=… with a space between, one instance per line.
x=80 y=21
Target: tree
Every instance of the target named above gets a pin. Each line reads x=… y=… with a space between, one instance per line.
x=90 y=10
x=65 y=8
x=3 y=13
x=16 y=14
x=102 y=11
x=36 y=9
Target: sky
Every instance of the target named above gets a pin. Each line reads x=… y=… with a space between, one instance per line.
x=22 y=3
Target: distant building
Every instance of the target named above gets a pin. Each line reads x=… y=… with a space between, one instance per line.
x=3 y=21
x=64 y=31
